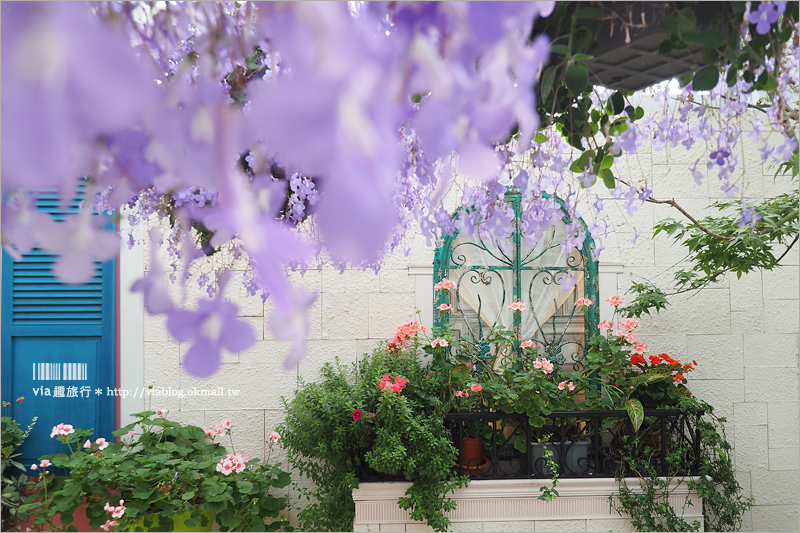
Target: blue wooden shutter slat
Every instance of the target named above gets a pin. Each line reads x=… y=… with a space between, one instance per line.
x=57 y=335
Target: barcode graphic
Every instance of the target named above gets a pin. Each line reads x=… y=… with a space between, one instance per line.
x=59 y=371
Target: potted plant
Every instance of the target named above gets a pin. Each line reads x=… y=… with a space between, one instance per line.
x=383 y=417
x=161 y=475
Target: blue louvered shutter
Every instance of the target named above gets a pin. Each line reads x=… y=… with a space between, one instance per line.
x=58 y=338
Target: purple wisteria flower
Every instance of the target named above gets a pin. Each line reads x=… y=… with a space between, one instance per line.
x=567 y=282
x=80 y=243
x=211 y=328
x=749 y=216
x=765 y=17
x=719 y=156
x=154 y=285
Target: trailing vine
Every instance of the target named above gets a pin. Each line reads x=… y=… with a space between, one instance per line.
x=649 y=507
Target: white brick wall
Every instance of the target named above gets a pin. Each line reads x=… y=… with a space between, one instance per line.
x=743 y=333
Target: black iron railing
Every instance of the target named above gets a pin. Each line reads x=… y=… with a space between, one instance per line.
x=575 y=443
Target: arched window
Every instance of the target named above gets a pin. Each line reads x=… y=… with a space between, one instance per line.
x=499 y=265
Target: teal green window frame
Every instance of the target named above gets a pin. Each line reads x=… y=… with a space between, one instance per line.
x=444 y=264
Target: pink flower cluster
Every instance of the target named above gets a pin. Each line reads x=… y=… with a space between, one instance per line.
x=274 y=437
x=445 y=307
x=544 y=364
x=629 y=324
x=102 y=444
x=162 y=413
x=232 y=463
x=583 y=302
x=570 y=385
x=518 y=306
x=405 y=332
x=44 y=464
x=616 y=300
x=116 y=512
x=527 y=344
x=62 y=429
x=475 y=387
x=396 y=387
x=440 y=342
x=223 y=428
x=445 y=284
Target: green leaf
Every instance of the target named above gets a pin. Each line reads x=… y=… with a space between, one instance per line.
x=283 y=480
x=668 y=24
x=635 y=412
x=687 y=20
x=582 y=57
x=539 y=138
x=665 y=47
x=188 y=495
x=560 y=49
x=616 y=103
x=587 y=13
x=244 y=486
x=706 y=78
x=143 y=490
x=582 y=163
x=546 y=86
x=639 y=113
x=731 y=77
x=577 y=78
x=770 y=84
x=608 y=178
x=607 y=162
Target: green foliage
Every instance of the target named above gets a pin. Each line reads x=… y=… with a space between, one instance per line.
x=726 y=246
x=397 y=435
x=648 y=298
x=14 y=481
x=649 y=508
x=564 y=92
x=167 y=472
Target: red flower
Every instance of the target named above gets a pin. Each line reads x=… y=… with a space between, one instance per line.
x=637 y=359
x=655 y=359
x=678 y=377
x=400 y=381
x=668 y=359
x=694 y=362
x=357 y=415
x=687 y=366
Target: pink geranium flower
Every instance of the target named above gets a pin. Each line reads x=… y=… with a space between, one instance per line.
x=605 y=325
x=571 y=386
x=445 y=284
x=562 y=385
x=109 y=524
x=445 y=307
x=518 y=306
x=102 y=444
x=274 y=437
x=440 y=342
x=62 y=429
x=583 y=302
x=527 y=344
x=87 y=444
x=477 y=387
x=616 y=300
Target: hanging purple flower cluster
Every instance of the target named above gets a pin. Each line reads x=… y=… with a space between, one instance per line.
x=239 y=121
